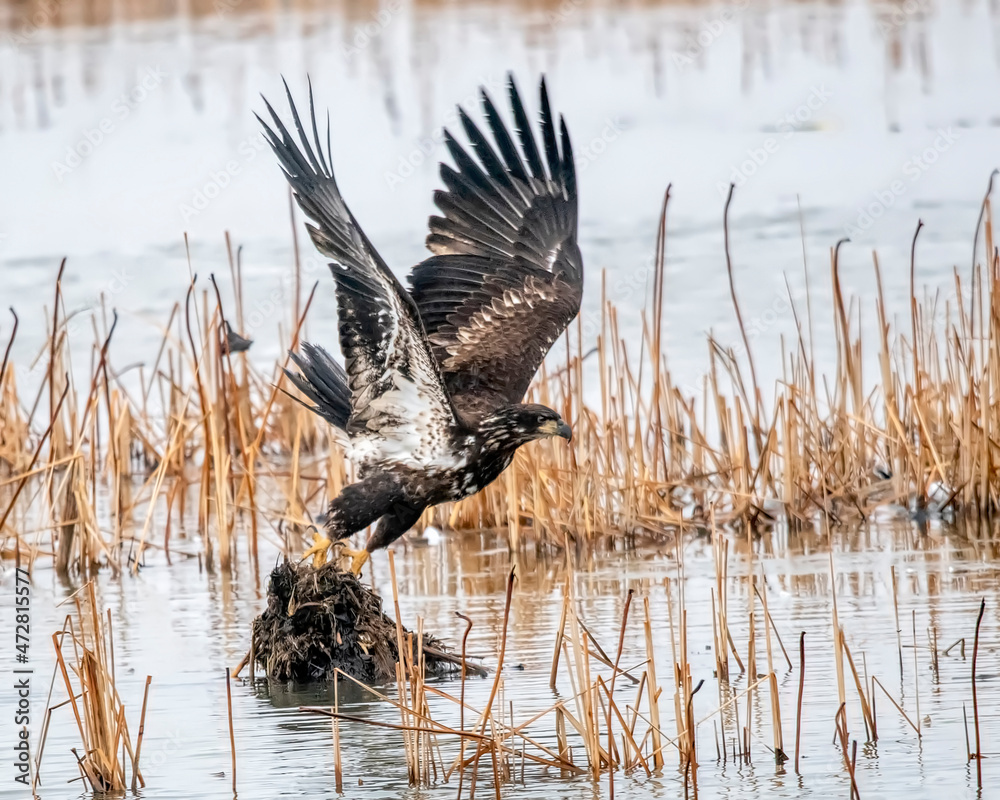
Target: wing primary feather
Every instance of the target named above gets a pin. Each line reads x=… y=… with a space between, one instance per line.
x=568 y=165
x=508 y=150
x=524 y=131
x=288 y=157
x=487 y=155
x=479 y=182
x=549 y=136
x=327 y=168
x=303 y=139
x=506 y=276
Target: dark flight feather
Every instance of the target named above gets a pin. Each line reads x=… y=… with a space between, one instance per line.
x=507 y=274
x=396 y=390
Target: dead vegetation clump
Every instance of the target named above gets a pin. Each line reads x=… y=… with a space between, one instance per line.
x=318 y=621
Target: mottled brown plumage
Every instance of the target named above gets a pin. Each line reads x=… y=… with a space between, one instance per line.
x=429 y=396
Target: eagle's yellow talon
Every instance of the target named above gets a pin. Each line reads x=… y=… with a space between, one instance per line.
x=358 y=558
x=318 y=550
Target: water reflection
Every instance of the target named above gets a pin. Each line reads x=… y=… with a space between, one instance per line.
x=183 y=626
x=53 y=45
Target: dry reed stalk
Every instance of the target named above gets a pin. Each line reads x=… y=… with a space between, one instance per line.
x=97 y=708
x=338 y=766
x=232 y=731
x=652 y=687
x=898 y=707
x=610 y=692
x=930 y=420
x=461 y=702
x=916 y=669
x=838 y=647
x=779 y=746
x=866 y=707
x=720 y=624
x=584 y=691
x=402 y=686
x=849 y=760
x=975 y=698
x=137 y=780
x=895 y=610
x=798 y=704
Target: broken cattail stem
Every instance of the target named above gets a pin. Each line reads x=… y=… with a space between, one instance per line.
x=461 y=702
x=975 y=697
x=136 y=775
x=798 y=705
x=899 y=708
x=560 y=633
x=338 y=766
x=916 y=668
x=652 y=688
x=232 y=733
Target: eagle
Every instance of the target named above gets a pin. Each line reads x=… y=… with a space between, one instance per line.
x=428 y=403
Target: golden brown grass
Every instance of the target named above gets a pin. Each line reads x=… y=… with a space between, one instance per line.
x=85 y=669
x=211 y=439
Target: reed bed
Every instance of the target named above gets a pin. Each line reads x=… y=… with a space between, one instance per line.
x=204 y=454
x=85 y=668
x=628 y=704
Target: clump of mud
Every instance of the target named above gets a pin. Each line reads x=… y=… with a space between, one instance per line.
x=319 y=620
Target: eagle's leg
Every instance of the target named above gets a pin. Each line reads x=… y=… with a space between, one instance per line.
x=318 y=550
x=356 y=507
x=394 y=524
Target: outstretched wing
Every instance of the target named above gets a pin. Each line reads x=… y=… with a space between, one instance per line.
x=399 y=408
x=506 y=276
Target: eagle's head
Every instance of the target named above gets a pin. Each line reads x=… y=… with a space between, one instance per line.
x=519 y=424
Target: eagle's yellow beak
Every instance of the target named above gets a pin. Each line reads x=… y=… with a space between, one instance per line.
x=556 y=427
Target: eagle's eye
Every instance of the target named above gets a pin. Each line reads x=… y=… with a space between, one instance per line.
x=541 y=419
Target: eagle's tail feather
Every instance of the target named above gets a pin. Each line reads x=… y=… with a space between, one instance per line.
x=324 y=382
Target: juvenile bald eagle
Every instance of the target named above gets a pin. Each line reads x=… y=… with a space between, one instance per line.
x=428 y=403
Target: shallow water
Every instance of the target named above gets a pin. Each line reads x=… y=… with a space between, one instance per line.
x=183 y=626
x=903 y=97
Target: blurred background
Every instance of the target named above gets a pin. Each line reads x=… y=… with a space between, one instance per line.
x=126 y=125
